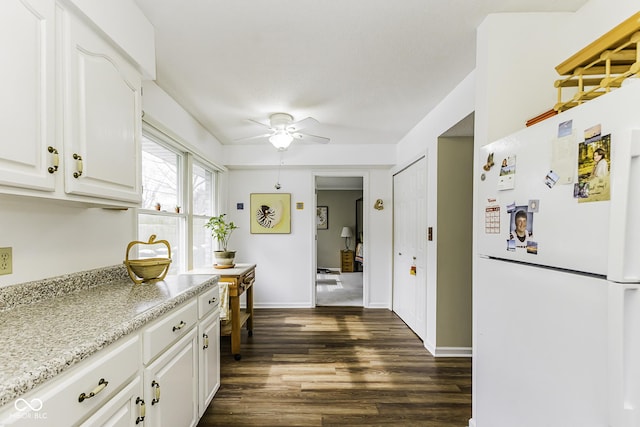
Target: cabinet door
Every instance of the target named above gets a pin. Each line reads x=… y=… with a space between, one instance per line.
x=123 y=410
x=102 y=117
x=209 y=360
x=27 y=86
x=170 y=385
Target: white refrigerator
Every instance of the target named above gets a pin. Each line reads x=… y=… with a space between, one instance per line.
x=557 y=270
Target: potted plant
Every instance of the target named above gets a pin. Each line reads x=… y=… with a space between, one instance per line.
x=221 y=230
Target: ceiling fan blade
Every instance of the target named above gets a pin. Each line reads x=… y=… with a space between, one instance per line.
x=264 y=125
x=311 y=138
x=249 y=138
x=302 y=124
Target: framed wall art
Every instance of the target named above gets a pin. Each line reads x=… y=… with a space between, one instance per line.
x=270 y=213
x=322 y=218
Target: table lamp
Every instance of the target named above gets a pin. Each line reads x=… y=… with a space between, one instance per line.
x=346 y=233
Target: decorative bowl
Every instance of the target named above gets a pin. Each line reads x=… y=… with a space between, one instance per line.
x=148 y=270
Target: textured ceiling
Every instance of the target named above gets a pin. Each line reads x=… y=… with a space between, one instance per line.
x=367 y=70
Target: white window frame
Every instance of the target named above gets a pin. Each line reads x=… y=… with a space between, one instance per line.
x=185 y=193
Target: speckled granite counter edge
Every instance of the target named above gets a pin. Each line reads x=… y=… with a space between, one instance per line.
x=39 y=290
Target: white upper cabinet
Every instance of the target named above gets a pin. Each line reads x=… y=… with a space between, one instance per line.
x=102 y=116
x=27 y=84
x=70 y=110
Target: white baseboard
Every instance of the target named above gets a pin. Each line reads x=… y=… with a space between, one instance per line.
x=472 y=423
x=448 y=351
x=302 y=305
x=431 y=348
x=280 y=305
x=378 y=305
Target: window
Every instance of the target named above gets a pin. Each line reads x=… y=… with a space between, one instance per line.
x=202 y=184
x=166 y=210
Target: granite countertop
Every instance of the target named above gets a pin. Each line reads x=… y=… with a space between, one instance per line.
x=47 y=336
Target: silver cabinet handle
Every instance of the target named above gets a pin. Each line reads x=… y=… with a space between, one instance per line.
x=179 y=326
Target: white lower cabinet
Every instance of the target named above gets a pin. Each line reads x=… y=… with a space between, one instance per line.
x=209 y=360
x=162 y=375
x=170 y=385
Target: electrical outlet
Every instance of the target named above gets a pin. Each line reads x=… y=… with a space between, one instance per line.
x=6 y=261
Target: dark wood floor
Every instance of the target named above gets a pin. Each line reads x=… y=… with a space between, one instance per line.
x=332 y=366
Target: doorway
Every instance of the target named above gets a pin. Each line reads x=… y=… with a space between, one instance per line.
x=339 y=279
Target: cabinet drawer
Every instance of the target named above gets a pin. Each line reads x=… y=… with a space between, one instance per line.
x=121 y=410
x=58 y=403
x=208 y=301
x=168 y=329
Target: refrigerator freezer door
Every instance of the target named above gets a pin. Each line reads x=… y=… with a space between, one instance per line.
x=540 y=355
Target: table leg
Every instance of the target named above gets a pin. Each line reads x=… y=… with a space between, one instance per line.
x=250 y=310
x=235 y=326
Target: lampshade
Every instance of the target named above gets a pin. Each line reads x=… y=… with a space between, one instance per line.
x=346 y=232
x=281 y=139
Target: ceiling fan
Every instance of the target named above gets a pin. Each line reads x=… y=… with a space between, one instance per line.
x=283 y=130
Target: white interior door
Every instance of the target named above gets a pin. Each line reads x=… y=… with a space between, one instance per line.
x=409 y=213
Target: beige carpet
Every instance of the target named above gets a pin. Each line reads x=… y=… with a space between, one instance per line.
x=341 y=289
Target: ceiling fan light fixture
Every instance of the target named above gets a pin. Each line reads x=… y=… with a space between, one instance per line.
x=281 y=139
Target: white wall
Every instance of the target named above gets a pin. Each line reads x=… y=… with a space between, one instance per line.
x=312 y=155
x=125 y=24
x=285 y=275
x=455 y=107
x=164 y=113
x=423 y=139
x=379 y=239
x=51 y=238
x=516 y=58
x=283 y=260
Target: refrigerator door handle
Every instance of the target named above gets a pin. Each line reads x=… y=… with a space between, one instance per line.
x=624 y=226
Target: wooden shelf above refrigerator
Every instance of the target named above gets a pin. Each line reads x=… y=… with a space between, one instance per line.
x=602 y=65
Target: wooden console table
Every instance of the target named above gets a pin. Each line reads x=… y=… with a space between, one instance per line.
x=240 y=279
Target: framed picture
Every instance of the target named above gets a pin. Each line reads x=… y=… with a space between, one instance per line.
x=270 y=213
x=322 y=218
